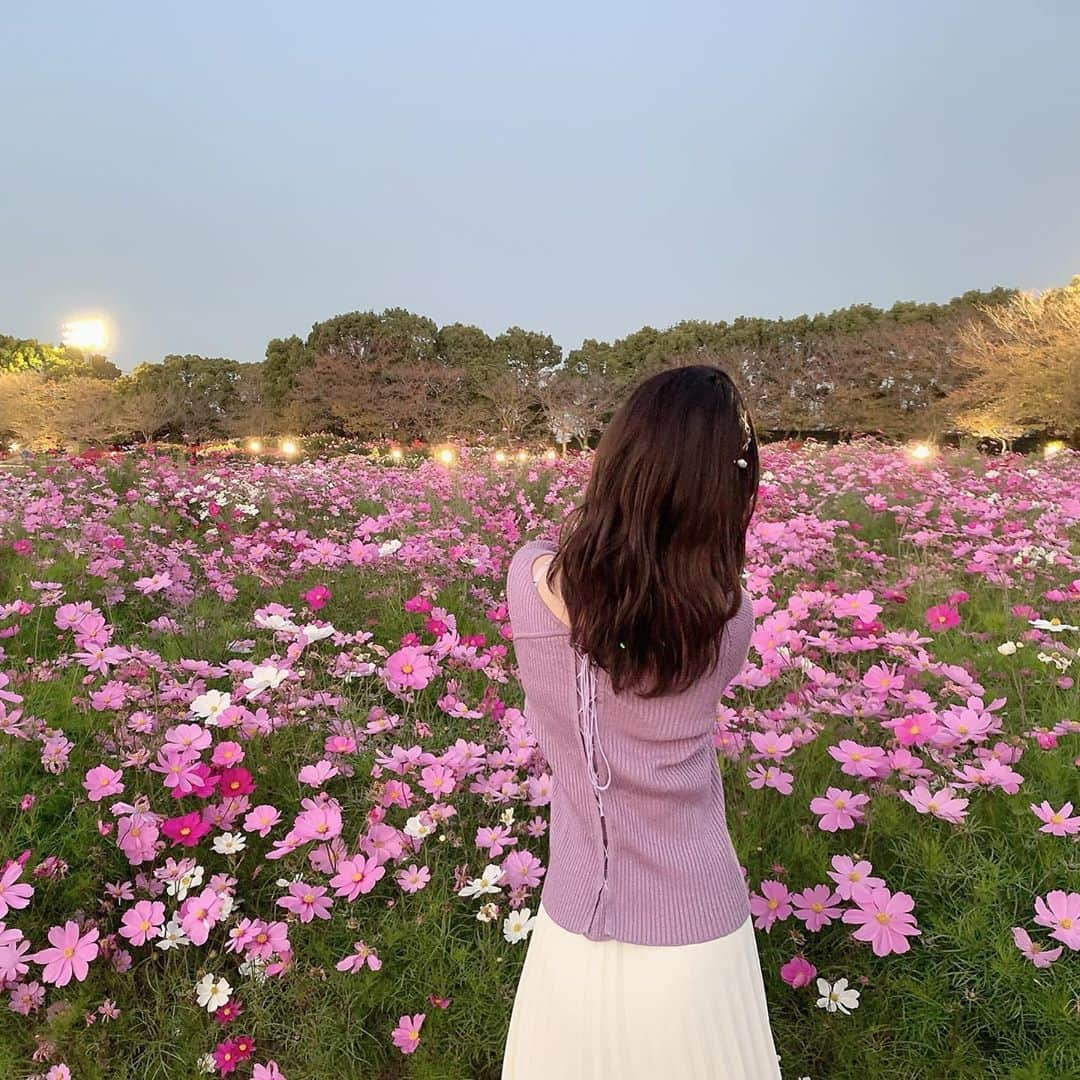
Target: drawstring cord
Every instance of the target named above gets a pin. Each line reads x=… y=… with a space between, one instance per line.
x=586 y=683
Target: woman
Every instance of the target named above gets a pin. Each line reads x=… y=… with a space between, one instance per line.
x=642 y=961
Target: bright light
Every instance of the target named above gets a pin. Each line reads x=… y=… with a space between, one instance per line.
x=288 y=447
x=550 y=455
x=396 y=453
x=1052 y=448
x=255 y=446
x=920 y=451
x=523 y=455
x=500 y=456
x=86 y=334
x=446 y=455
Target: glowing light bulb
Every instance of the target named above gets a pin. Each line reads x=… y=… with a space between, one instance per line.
x=920 y=452
x=523 y=455
x=1053 y=448
x=254 y=445
x=289 y=447
x=396 y=453
x=500 y=456
x=550 y=455
x=446 y=455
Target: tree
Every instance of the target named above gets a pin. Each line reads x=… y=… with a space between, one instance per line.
x=1023 y=363
x=52 y=361
x=575 y=404
x=285 y=359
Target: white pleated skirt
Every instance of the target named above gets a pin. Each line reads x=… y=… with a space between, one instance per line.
x=600 y=1010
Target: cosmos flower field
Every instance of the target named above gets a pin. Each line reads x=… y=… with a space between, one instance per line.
x=269 y=806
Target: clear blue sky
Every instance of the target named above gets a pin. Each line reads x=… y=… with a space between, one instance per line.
x=213 y=175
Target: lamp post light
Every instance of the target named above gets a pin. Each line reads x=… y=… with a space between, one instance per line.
x=289 y=447
x=1052 y=449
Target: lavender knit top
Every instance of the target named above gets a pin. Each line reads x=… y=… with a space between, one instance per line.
x=639 y=845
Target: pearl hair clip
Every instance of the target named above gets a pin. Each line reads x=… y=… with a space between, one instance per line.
x=741 y=462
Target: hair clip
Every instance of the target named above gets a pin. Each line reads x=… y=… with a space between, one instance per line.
x=741 y=462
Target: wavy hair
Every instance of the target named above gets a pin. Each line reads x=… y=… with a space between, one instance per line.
x=650 y=561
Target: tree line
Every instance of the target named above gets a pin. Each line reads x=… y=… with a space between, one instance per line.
x=998 y=363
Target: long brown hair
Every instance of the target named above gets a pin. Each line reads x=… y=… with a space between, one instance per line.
x=650 y=561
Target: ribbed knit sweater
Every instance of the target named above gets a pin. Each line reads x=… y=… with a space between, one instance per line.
x=639 y=849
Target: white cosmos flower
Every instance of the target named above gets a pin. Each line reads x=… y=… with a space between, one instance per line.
x=415 y=827
x=183 y=884
x=172 y=936
x=1054 y=625
x=210 y=705
x=255 y=968
x=229 y=843
x=212 y=992
x=265 y=677
x=207 y=1064
x=317 y=633
x=1007 y=648
x=485 y=883
x=388 y=547
x=518 y=925
x=507 y=816
x=488 y=912
x=274 y=622
x=837 y=997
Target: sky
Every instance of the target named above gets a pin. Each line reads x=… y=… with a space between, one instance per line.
x=208 y=176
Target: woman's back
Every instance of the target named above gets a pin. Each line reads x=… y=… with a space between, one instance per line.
x=639 y=846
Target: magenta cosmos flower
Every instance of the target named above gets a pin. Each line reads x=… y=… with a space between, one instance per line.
x=187 y=830
x=798 y=972
x=883 y=918
x=409 y=668
x=70 y=954
x=942 y=617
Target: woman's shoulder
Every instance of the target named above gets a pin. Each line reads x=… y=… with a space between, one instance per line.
x=528 y=550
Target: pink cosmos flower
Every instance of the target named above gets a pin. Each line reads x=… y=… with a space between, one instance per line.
x=761 y=776
x=262 y=819
x=816 y=906
x=942 y=804
x=798 y=972
x=12 y=895
x=267 y=1071
x=773 y=904
x=1040 y=956
x=356 y=876
x=1061 y=911
x=409 y=668
x=103 y=781
x=316 y=775
x=772 y=744
x=866 y=762
x=13 y=949
x=362 y=954
x=226 y=1057
x=307 y=901
x=883 y=918
x=198 y=914
x=318 y=821
x=1058 y=822
x=406 y=1036
x=942 y=617
x=227 y=754
x=413 y=878
x=143 y=921
x=839 y=809
x=848 y=874
x=70 y=954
